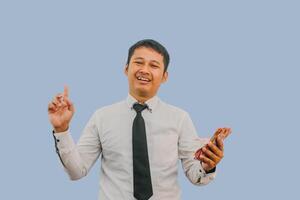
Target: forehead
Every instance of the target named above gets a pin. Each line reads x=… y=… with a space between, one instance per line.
x=147 y=54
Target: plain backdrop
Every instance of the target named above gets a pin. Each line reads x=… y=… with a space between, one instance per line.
x=233 y=63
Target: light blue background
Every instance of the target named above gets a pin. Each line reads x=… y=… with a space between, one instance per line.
x=233 y=63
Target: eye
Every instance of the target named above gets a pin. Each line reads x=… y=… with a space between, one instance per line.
x=138 y=62
x=154 y=66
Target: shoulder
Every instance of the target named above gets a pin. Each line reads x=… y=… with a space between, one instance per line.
x=110 y=109
x=172 y=109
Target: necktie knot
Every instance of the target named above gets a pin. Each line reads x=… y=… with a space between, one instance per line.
x=139 y=107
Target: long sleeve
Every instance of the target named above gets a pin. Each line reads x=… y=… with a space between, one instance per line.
x=78 y=159
x=189 y=143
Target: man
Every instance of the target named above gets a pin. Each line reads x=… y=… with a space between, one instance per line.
x=139 y=139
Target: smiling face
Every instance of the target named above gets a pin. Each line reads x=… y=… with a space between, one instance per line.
x=145 y=73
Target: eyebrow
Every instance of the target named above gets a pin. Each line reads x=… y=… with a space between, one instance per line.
x=141 y=58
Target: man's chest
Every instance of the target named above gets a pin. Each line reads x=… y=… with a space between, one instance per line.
x=162 y=140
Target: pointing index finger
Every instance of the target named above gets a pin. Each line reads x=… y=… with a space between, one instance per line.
x=66 y=91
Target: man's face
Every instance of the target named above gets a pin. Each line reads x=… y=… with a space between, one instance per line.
x=145 y=72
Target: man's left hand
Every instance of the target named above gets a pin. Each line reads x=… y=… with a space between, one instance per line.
x=212 y=154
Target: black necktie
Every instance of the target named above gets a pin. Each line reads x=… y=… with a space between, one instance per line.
x=142 y=186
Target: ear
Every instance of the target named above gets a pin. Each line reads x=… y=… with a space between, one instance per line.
x=165 y=77
x=126 y=70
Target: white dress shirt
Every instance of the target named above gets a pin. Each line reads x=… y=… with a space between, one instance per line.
x=170 y=134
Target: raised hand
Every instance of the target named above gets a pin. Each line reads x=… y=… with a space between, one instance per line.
x=60 y=111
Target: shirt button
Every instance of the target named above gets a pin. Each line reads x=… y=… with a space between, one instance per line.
x=57 y=140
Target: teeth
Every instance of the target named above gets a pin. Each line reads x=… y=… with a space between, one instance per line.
x=142 y=78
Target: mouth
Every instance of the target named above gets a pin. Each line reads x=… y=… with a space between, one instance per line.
x=143 y=79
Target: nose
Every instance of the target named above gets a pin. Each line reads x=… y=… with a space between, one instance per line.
x=144 y=69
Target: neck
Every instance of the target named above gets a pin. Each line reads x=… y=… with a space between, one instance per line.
x=140 y=99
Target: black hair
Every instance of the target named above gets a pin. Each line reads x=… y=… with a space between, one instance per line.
x=156 y=46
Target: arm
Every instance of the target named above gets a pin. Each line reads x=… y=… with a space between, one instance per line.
x=189 y=142
x=76 y=159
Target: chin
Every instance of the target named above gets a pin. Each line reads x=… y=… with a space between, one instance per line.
x=142 y=93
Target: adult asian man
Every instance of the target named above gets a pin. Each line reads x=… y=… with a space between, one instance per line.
x=140 y=139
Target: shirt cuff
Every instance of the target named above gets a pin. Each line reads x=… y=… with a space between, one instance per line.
x=63 y=141
x=205 y=177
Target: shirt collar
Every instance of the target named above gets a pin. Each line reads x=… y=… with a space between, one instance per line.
x=152 y=102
